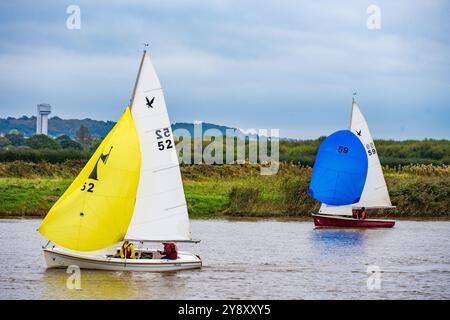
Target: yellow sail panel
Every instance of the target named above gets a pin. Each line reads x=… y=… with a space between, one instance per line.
x=96 y=209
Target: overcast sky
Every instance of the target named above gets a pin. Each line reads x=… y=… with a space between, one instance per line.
x=291 y=65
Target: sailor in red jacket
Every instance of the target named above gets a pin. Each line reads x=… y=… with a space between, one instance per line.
x=363 y=213
x=170 y=251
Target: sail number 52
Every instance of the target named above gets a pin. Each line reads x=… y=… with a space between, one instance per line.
x=89 y=187
x=163 y=143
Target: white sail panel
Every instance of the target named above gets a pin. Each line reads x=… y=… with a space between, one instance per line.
x=335 y=210
x=160 y=211
x=375 y=192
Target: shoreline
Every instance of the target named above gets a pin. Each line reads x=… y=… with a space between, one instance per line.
x=253 y=219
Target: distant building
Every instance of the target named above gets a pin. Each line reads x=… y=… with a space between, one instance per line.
x=43 y=110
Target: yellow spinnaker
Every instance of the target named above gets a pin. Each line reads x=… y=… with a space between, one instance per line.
x=96 y=209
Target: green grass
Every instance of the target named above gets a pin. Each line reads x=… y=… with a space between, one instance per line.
x=233 y=190
x=31 y=197
x=202 y=203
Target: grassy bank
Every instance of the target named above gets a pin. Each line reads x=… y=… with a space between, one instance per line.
x=30 y=189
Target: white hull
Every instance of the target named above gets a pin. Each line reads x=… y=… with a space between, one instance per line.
x=56 y=257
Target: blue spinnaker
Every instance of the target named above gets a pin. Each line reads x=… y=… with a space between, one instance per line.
x=340 y=170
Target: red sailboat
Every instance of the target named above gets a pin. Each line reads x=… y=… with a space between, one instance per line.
x=375 y=194
x=327 y=221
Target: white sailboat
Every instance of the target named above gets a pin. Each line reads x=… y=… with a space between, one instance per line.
x=131 y=189
x=375 y=194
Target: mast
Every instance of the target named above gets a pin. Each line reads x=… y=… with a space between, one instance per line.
x=351 y=113
x=137 y=77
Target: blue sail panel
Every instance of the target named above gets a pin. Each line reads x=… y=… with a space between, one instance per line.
x=340 y=170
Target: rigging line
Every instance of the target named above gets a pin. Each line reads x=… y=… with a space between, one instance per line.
x=155 y=89
x=178 y=206
x=166 y=168
x=160 y=128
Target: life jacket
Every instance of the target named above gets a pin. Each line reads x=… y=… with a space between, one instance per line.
x=363 y=214
x=127 y=251
x=170 y=250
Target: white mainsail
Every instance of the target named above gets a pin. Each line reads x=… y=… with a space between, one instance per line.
x=160 y=212
x=375 y=193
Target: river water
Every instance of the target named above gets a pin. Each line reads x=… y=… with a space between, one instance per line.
x=253 y=260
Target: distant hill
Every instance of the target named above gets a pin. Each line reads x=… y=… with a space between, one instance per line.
x=209 y=126
x=57 y=126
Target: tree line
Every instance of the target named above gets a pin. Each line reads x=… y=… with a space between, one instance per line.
x=14 y=146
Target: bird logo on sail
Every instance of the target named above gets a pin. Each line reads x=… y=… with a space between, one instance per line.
x=104 y=157
x=150 y=102
x=358 y=132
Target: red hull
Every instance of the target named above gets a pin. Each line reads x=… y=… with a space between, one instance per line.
x=324 y=221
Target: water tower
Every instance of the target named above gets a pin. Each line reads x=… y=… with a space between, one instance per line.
x=43 y=110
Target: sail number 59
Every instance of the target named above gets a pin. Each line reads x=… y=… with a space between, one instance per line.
x=163 y=143
x=342 y=149
x=371 y=149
